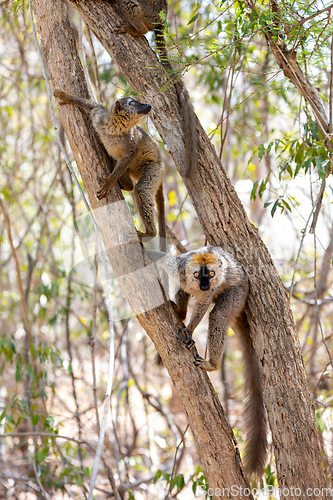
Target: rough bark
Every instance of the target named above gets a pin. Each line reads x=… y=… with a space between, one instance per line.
x=214 y=437
x=225 y=223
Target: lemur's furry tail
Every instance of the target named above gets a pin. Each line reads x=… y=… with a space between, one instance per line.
x=255 y=417
x=158 y=360
x=161 y=218
x=190 y=131
x=187 y=111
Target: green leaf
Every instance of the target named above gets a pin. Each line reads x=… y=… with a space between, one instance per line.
x=276 y=204
x=35 y=419
x=166 y=477
x=194 y=18
x=253 y=195
x=16 y=5
x=299 y=157
x=314 y=130
x=320 y=164
x=261 y=151
x=180 y=482
x=67 y=447
x=292 y=145
x=286 y=205
x=10 y=419
x=262 y=187
x=290 y=170
x=307 y=165
x=7 y=346
x=269 y=147
x=18 y=372
x=53 y=320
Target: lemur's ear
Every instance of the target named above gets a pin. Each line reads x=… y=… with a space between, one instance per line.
x=117 y=105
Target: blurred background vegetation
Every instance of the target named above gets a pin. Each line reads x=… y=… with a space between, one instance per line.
x=54 y=336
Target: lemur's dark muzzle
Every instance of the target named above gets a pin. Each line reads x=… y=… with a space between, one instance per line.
x=204 y=284
x=204 y=278
x=144 y=109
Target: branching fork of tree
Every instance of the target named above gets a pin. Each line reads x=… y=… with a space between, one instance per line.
x=287 y=398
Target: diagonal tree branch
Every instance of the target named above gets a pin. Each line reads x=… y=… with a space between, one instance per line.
x=225 y=224
x=214 y=437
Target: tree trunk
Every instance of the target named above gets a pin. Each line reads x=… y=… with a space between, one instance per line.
x=225 y=223
x=213 y=435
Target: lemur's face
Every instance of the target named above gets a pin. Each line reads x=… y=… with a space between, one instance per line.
x=131 y=109
x=204 y=271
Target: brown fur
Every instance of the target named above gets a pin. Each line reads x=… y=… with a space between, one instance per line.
x=204 y=258
x=138 y=157
x=254 y=412
x=228 y=289
x=139 y=17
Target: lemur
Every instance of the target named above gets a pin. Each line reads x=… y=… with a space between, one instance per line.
x=139 y=17
x=212 y=275
x=138 y=157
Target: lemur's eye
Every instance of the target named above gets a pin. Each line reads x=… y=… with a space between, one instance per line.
x=132 y=103
x=196 y=274
x=211 y=273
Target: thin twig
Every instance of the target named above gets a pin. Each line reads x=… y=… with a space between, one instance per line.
x=28 y=336
x=180 y=247
x=227 y=102
x=300 y=248
x=175 y=461
x=46 y=434
x=305 y=19
x=318 y=206
x=41 y=489
x=331 y=92
x=106 y=270
x=210 y=135
x=157 y=405
x=316 y=300
x=69 y=344
x=92 y=341
x=321 y=377
x=24 y=305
